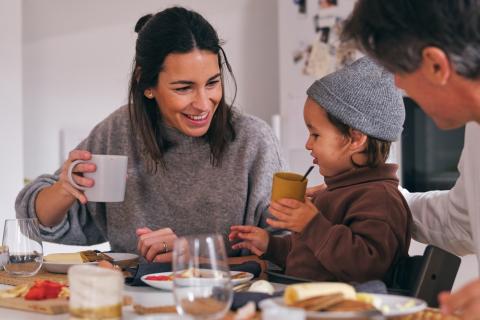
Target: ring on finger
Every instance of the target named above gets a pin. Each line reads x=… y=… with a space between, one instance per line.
x=165 y=247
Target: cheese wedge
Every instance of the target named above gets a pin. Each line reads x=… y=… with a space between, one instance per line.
x=262 y=286
x=302 y=291
x=75 y=257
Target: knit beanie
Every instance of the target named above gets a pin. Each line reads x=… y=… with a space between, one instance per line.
x=363 y=96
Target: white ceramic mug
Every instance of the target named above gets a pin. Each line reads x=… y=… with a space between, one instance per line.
x=110 y=178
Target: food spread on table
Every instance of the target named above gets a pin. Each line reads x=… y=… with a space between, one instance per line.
x=321 y=297
x=326 y=296
x=194 y=273
x=38 y=290
x=77 y=257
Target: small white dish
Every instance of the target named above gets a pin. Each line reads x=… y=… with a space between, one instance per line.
x=118 y=258
x=168 y=284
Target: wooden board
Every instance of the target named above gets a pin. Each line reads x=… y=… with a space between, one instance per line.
x=49 y=306
x=5 y=278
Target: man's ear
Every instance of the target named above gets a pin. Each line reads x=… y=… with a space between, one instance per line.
x=435 y=66
x=358 y=141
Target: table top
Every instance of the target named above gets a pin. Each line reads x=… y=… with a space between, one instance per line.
x=147 y=296
x=151 y=297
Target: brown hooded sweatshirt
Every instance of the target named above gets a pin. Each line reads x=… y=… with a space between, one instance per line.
x=362 y=228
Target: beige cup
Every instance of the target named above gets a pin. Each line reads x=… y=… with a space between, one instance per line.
x=288 y=185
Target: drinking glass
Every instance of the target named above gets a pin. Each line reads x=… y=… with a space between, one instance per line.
x=201 y=277
x=3 y=256
x=21 y=239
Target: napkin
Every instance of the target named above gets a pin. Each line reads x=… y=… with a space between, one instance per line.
x=242 y=298
x=373 y=286
x=147 y=268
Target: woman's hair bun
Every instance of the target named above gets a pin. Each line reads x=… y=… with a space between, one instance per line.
x=142 y=21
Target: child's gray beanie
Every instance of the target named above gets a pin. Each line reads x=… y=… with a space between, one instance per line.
x=363 y=96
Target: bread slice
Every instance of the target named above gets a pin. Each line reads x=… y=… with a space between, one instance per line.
x=71 y=258
x=303 y=291
x=77 y=257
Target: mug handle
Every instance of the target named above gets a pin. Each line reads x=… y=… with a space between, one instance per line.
x=69 y=174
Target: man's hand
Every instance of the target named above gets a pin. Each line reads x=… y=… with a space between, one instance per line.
x=465 y=302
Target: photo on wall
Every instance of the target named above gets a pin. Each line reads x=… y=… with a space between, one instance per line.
x=326 y=53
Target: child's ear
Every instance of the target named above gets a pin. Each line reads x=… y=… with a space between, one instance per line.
x=358 y=141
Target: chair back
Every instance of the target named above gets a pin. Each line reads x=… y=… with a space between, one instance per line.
x=424 y=277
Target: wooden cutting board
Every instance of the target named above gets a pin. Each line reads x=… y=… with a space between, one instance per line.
x=5 y=278
x=49 y=306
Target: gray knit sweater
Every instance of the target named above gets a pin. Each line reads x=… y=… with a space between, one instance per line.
x=191 y=196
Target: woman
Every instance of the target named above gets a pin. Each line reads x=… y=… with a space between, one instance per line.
x=195 y=165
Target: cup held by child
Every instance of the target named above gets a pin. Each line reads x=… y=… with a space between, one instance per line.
x=288 y=185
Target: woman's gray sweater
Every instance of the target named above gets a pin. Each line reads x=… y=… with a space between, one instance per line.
x=191 y=196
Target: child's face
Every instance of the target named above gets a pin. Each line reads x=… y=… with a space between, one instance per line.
x=329 y=148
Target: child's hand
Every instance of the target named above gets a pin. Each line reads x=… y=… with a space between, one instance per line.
x=254 y=239
x=292 y=214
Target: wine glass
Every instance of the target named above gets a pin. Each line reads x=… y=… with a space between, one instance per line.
x=21 y=238
x=201 y=278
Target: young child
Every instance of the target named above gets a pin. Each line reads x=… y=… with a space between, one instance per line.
x=358 y=227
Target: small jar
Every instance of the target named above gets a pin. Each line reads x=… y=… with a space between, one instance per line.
x=95 y=293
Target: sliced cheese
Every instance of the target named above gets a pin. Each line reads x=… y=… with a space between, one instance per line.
x=302 y=291
x=16 y=291
x=63 y=258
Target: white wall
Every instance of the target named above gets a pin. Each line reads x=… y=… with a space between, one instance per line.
x=77 y=58
x=10 y=106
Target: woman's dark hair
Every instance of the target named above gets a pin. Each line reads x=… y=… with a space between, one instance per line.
x=395 y=32
x=174 y=30
x=377 y=150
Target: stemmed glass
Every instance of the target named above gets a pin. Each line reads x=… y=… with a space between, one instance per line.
x=201 y=280
x=21 y=238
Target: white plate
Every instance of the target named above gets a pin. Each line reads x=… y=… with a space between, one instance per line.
x=390 y=305
x=118 y=258
x=168 y=284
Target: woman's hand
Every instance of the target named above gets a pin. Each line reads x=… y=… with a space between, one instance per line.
x=156 y=246
x=465 y=301
x=77 y=175
x=254 y=239
x=292 y=214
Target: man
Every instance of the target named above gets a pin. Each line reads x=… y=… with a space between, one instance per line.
x=433 y=48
